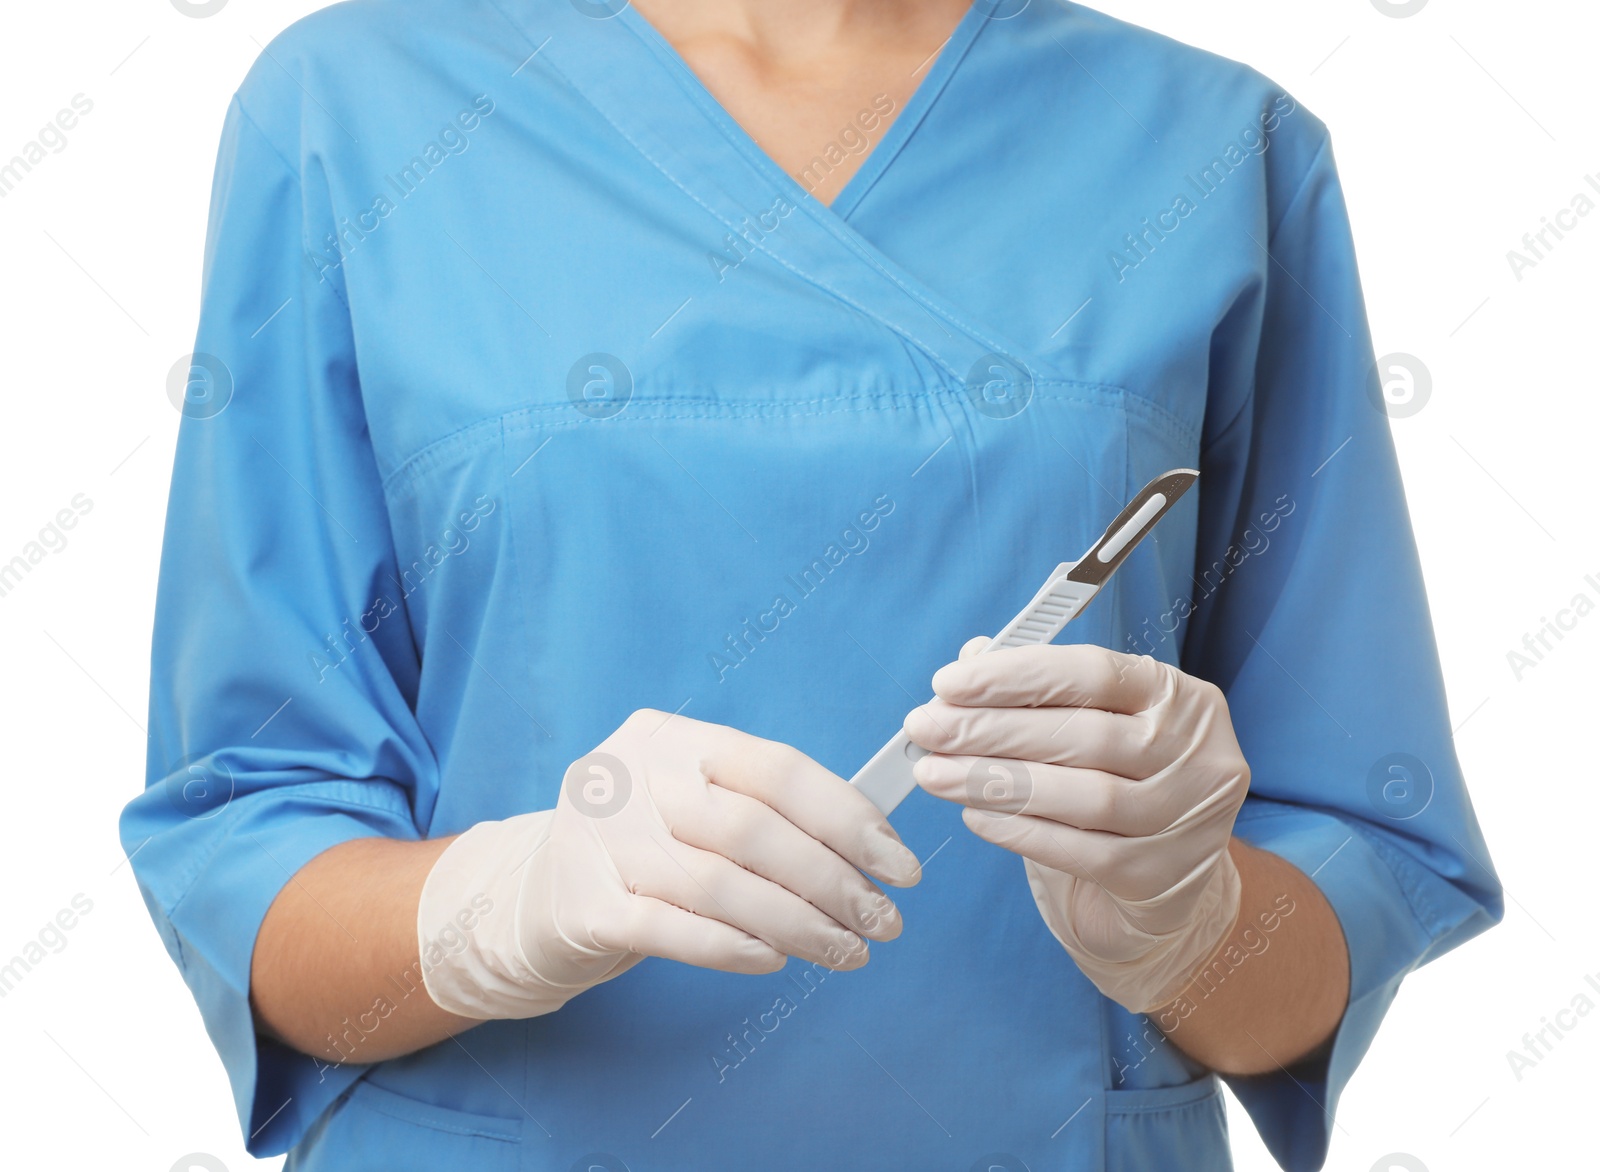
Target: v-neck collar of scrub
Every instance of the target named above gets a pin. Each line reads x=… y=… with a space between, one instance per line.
x=945 y=59
x=640 y=86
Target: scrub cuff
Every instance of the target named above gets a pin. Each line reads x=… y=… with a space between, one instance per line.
x=210 y=930
x=1293 y=1108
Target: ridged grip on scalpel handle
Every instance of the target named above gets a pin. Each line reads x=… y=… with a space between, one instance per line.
x=886 y=779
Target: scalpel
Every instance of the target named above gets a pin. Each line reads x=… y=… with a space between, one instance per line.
x=886 y=779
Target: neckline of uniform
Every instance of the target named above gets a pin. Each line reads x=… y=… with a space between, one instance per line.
x=946 y=60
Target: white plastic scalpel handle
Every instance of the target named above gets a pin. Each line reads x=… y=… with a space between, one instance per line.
x=886 y=779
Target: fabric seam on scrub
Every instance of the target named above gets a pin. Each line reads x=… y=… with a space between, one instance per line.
x=1272 y=235
x=1238 y=414
x=1300 y=188
x=1381 y=849
x=425 y=459
x=1201 y=1090
x=833 y=229
x=300 y=187
x=1118 y=596
x=378 y=1105
x=267 y=138
x=170 y=935
x=222 y=841
x=810 y=208
x=1403 y=868
x=711 y=211
x=518 y=611
x=1183 y=431
x=519 y=419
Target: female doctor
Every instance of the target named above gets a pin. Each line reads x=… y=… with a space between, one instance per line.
x=605 y=421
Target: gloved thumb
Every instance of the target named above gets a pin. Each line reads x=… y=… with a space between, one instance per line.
x=973 y=645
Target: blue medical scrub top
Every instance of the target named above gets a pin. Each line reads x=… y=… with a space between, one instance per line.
x=529 y=391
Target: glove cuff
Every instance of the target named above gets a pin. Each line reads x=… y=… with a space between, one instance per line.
x=1187 y=951
x=1162 y=965
x=467 y=935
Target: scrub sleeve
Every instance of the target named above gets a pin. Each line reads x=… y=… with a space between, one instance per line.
x=277 y=544
x=1322 y=642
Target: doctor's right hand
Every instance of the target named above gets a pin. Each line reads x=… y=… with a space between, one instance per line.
x=674 y=838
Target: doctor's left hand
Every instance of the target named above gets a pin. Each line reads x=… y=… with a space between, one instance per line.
x=1117 y=778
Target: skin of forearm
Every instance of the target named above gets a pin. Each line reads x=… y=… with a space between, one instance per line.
x=336 y=972
x=1277 y=986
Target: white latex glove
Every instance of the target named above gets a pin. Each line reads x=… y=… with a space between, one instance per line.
x=674 y=838
x=1117 y=778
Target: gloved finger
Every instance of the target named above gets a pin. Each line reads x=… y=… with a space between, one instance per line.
x=1089 y=799
x=973 y=645
x=1087 y=738
x=1048 y=675
x=759 y=839
x=818 y=801
x=712 y=886
x=1130 y=869
x=651 y=927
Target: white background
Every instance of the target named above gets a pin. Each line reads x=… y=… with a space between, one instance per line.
x=1456 y=130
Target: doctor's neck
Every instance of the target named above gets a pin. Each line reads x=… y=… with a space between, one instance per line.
x=786 y=33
